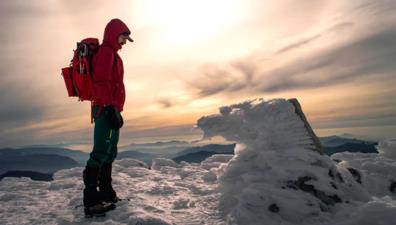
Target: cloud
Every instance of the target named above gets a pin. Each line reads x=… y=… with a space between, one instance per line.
x=166 y=103
x=231 y=78
x=358 y=109
x=248 y=69
x=364 y=56
x=214 y=80
x=22 y=8
x=339 y=27
x=362 y=121
x=298 y=44
x=369 y=56
x=19 y=104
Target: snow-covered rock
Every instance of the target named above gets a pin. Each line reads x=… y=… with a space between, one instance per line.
x=376 y=172
x=276 y=177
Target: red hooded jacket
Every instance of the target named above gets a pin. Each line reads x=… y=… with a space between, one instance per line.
x=108 y=70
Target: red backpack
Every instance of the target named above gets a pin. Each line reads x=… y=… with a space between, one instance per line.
x=78 y=75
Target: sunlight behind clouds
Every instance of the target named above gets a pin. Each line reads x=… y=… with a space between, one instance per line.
x=190 y=57
x=186 y=22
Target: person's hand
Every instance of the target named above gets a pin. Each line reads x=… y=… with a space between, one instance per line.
x=115 y=119
x=121 y=121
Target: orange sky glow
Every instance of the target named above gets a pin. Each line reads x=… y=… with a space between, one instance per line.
x=191 y=57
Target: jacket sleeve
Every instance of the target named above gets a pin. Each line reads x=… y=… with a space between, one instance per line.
x=103 y=75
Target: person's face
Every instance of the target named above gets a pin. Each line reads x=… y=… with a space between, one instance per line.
x=122 y=39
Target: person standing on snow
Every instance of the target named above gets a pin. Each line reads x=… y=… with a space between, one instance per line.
x=108 y=74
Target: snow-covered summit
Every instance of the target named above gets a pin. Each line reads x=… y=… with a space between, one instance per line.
x=275 y=177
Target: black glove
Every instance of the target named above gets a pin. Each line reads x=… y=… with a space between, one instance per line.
x=121 y=121
x=115 y=122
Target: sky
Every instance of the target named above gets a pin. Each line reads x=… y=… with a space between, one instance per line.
x=191 y=57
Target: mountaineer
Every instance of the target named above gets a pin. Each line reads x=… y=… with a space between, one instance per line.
x=107 y=78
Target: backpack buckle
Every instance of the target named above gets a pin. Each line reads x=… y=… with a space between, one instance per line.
x=82 y=49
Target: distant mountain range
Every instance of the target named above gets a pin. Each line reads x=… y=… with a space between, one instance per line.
x=352 y=147
x=216 y=148
x=159 y=144
x=50 y=159
x=33 y=175
x=45 y=160
x=44 y=163
x=200 y=153
x=145 y=157
x=196 y=157
x=334 y=144
x=334 y=141
x=160 y=149
x=331 y=145
x=78 y=156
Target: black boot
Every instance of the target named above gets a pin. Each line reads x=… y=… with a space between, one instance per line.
x=91 y=199
x=106 y=191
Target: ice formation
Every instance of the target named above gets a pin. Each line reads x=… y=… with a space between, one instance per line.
x=276 y=177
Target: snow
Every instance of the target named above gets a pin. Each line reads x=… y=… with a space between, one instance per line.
x=131 y=163
x=387 y=148
x=162 y=162
x=164 y=196
x=377 y=172
x=274 y=178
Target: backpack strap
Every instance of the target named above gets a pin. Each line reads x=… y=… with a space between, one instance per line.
x=91 y=112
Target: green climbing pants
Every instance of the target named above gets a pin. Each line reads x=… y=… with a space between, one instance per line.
x=105 y=140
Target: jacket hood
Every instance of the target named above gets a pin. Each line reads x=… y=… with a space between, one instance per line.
x=113 y=29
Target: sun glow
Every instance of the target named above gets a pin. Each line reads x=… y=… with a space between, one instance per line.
x=187 y=21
